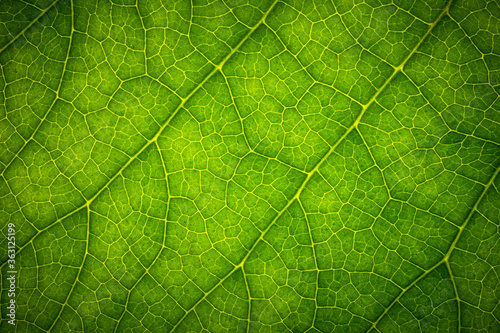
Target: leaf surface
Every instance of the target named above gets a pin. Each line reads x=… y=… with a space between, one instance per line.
x=251 y=166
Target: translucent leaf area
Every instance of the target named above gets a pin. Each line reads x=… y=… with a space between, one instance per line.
x=251 y=165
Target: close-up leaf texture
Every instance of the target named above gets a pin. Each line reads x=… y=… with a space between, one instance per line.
x=251 y=165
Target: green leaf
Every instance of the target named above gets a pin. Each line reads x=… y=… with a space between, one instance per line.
x=251 y=166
